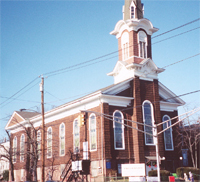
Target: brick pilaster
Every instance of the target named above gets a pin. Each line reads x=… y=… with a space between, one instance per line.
x=138 y=137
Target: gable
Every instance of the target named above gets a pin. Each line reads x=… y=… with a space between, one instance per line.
x=15 y=119
x=18 y=117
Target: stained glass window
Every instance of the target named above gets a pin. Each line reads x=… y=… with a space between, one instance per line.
x=76 y=136
x=148 y=120
x=168 y=133
x=62 y=139
x=93 y=135
x=118 y=130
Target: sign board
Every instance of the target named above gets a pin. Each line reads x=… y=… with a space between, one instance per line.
x=133 y=170
x=152 y=179
x=76 y=165
x=137 y=179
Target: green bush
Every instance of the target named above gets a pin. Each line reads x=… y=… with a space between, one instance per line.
x=195 y=171
x=6 y=175
x=163 y=174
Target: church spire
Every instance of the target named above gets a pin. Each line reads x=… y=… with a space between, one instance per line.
x=133 y=9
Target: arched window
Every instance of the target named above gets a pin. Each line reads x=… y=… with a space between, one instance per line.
x=22 y=142
x=93 y=132
x=125 y=45
x=76 y=138
x=142 y=41
x=132 y=10
x=118 y=126
x=49 y=142
x=62 y=139
x=168 y=133
x=15 y=149
x=39 y=139
x=148 y=120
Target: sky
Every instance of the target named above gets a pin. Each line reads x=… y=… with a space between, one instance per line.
x=40 y=37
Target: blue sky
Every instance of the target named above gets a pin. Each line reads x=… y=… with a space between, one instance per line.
x=38 y=37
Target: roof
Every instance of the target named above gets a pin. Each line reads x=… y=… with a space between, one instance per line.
x=27 y=115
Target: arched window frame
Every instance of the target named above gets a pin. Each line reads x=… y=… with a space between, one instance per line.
x=168 y=132
x=15 y=149
x=62 y=139
x=142 y=44
x=39 y=140
x=122 y=131
x=22 y=145
x=93 y=132
x=49 y=142
x=146 y=128
x=125 y=46
x=132 y=11
x=76 y=136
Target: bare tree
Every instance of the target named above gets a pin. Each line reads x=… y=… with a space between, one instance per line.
x=189 y=138
x=7 y=155
x=51 y=168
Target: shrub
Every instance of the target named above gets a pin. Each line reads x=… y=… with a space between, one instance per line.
x=195 y=171
x=6 y=175
x=163 y=174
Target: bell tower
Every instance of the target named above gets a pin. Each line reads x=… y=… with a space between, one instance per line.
x=134 y=42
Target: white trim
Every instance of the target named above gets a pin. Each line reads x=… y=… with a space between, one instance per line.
x=122 y=119
x=95 y=131
x=60 y=140
x=152 y=120
x=165 y=93
x=133 y=24
x=171 y=135
x=10 y=120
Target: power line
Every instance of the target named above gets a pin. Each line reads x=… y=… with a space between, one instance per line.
x=73 y=66
x=175 y=35
x=20 y=99
x=182 y=60
x=64 y=70
x=176 y=28
x=19 y=91
x=164 y=99
x=19 y=95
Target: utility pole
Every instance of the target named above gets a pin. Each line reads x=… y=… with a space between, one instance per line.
x=43 y=127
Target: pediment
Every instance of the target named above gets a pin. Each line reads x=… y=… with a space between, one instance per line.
x=167 y=96
x=118 y=68
x=19 y=117
x=149 y=67
x=14 y=120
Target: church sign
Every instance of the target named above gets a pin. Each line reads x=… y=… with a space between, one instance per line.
x=133 y=170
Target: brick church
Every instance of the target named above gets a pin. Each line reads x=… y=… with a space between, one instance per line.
x=107 y=137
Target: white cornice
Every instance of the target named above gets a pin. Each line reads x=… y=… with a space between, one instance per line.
x=82 y=104
x=165 y=93
x=133 y=24
x=168 y=106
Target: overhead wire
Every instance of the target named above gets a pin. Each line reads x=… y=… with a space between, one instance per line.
x=20 y=94
x=19 y=90
x=176 y=28
x=63 y=70
x=175 y=35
